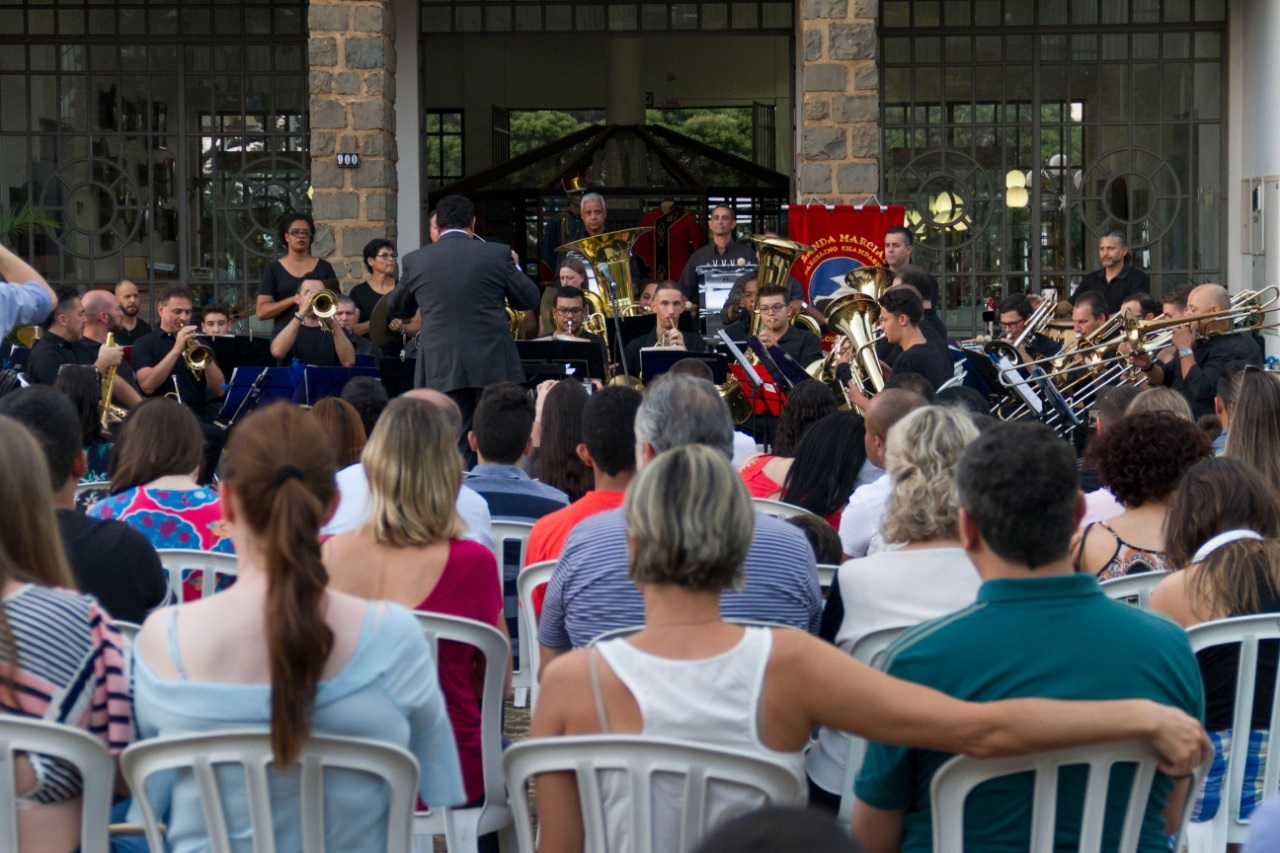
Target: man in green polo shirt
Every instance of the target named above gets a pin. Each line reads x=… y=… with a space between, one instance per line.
x=1036 y=629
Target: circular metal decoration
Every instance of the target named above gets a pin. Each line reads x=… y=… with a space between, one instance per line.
x=948 y=197
x=259 y=195
x=1133 y=190
x=98 y=205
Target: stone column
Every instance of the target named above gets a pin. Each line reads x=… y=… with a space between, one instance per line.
x=840 y=115
x=353 y=61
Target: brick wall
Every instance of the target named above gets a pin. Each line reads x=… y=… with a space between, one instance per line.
x=840 y=113
x=352 y=54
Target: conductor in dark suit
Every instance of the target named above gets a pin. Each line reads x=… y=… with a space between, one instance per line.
x=460 y=284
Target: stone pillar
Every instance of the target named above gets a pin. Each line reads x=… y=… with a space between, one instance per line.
x=840 y=115
x=353 y=61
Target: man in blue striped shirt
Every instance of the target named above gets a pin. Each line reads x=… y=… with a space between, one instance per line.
x=590 y=591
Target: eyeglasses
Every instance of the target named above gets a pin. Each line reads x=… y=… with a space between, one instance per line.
x=300 y=233
x=772 y=309
x=569 y=312
x=384 y=256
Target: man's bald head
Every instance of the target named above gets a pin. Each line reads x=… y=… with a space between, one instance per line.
x=96 y=301
x=890 y=406
x=1207 y=297
x=441 y=401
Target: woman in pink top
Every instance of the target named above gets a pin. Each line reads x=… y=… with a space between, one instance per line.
x=410 y=551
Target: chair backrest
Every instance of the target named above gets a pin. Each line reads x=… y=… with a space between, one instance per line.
x=866 y=649
x=196 y=574
x=204 y=754
x=956 y=779
x=529 y=579
x=628 y=630
x=1246 y=632
x=640 y=759
x=827 y=574
x=510 y=531
x=516 y=533
x=778 y=509
x=79 y=748
x=1135 y=589
x=128 y=630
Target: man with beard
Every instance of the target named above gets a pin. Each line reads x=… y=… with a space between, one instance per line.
x=131 y=326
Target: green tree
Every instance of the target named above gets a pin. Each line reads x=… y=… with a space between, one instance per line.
x=532 y=129
x=725 y=128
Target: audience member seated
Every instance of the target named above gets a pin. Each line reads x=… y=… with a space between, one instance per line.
x=109 y=559
x=807 y=403
x=860 y=521
x=63 y=661
x=410 y=552
x=964 y=398
x=83 y=388
x=826 y=466
x=743 y=443
x=1224 y=402
x=280 y=651
x=1111 y=404
x=341 y=423
x=153 y=481
x=557 y=435
x=925 y=576
x=501 y=435
x=1141 y=461
x=1223 y=530
x=355 y=503
x=822 y=537
x=1011 y=644
x=689 y=675
x=1160 y=400
x=1254 y=437
x=369 y=396
x=912 y=382
x=590 y=593
x=609 y=451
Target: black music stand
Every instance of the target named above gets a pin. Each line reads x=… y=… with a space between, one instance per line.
x=655 y=361
x=318 y=382
x=250 y=387
x=573 y=359
x=232 y=351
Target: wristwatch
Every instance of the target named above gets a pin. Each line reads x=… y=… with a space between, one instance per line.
x=1185 y=351
x=297 y=316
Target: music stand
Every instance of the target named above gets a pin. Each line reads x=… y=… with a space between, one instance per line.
x=655 y=361
x=784 y=369
x=564 y=358
x=232 y=351
x=249 y=387
x=318 y=382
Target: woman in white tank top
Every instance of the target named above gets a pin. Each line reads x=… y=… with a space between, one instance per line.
x=688 y=674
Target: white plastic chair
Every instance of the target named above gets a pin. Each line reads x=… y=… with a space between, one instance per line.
x=203 y=754
x=128 y=630
x=529 y=579
x=1131 y=587
x=1227 y=827
x=866 y=650
x=640 y=759
x=462 y=828
x=208 y=565
x=778 y=509
x=78 y=747
x=827 y=575
x=628 y=630
x=503 y=532
x=956 y=779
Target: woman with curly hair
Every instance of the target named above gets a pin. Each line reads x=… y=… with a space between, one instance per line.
x=927 y=576
x=765 y=473
x=1140 y=460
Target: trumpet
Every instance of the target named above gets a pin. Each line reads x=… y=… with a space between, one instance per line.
x=197 y=356
x=324 y=305
x=666 y=333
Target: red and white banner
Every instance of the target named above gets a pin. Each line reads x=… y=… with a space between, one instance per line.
x=843 y=238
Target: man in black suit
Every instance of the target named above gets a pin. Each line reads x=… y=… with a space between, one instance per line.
x=462 y=286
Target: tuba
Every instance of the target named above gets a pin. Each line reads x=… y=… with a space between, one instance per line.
x=855 y=316
x=776 y=256
x=610 y=257
x=869 y=281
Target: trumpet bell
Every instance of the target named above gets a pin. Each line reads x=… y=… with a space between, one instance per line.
x=197 y=355
x=324 y=304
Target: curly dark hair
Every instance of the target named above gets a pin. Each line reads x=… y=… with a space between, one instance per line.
x=1144 y=456
x=809 y=402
